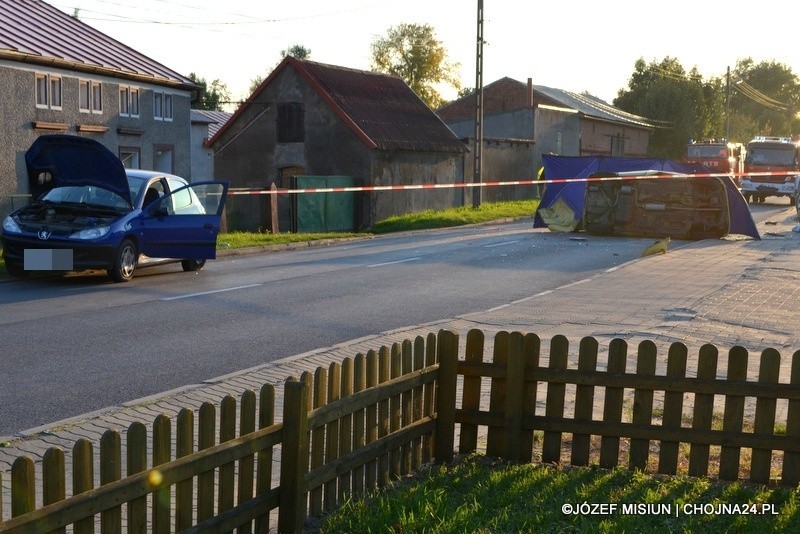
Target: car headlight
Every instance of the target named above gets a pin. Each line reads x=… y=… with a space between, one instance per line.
x=11 y=226
x=91 y=233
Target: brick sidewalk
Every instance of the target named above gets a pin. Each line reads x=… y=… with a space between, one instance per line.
x=726 y=292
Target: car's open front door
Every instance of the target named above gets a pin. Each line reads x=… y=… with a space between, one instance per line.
x=184 y=224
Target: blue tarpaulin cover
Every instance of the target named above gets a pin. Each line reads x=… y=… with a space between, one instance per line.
x=572 y=193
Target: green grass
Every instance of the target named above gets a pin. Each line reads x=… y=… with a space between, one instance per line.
x=480 y=494
x=488 y=211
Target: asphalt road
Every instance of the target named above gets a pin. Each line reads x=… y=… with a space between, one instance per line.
x=79 y=343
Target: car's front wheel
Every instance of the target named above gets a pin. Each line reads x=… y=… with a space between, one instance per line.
x=192 y=265
x=124 y=262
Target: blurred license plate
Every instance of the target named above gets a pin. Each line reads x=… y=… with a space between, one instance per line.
x=48 y=259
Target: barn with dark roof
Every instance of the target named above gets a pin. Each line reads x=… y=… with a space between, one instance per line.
x=316 y=123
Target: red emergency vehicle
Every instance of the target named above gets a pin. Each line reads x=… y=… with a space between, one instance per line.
x=717 y=155
x=771 y=168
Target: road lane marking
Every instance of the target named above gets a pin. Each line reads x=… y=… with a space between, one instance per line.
x=501 y=244
x=211 y=292
x=394 y=262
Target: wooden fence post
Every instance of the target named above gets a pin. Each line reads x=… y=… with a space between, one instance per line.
x=162 y=452
x=320 y=399
x=768 y=373
x=206 y=437
x=428 y=394
x=734 y=415
x=332 y=433
x=371 y=425
x=294 y=458
x=83 y=478
x=497 y=396
x=359 y=421
x=110 y=471
x=227 y=472
x=137 y=462
x=584 y=400
x=531 y=348
x=266 y=418
x=346 y=430
x=703 y=415
x=23 y=486
x=612 y=406
x=54 y=485
x=673 y=409
x=446 y=396
x=184 y=490
x=515 y=388
x=643 y=405
x=790 y=475
x=551 y=444
x=471 y=392
x=395 y=408
x=273 y=210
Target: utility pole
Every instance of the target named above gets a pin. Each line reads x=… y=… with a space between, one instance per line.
x=728 y=106
x=477 y=162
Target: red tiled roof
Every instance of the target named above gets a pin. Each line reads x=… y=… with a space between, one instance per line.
x=382 y=110
x=32 y=31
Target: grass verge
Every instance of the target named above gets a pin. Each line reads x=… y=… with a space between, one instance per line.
x=479 y=494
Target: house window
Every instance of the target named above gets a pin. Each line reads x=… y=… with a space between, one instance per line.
x=617 y=145
x=128 y=101
x=291 y=122
x=134 y=102
x=48 y=91
x=90 y=96
x=97 y=97
x=130 y=157
x=124 y=101
x=162 y=106
x=55 y=92
x=84 y=90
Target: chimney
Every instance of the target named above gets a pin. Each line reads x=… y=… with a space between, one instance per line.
x=530 y=92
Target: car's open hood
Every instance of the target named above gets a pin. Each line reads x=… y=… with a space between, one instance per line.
x=68 y=160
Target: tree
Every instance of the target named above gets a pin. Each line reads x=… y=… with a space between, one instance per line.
x=765 y=99
x=296 y=50
x=412 y=52
x=210 y=98
x=681 y=104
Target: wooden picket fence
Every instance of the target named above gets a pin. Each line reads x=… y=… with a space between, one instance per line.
x=359 y=424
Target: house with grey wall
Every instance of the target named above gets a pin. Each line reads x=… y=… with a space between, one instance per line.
x=60 y=75
x=205 y=124
x=552 y=120
x=314 y=124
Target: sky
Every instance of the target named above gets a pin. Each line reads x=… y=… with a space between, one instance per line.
x=579 y=45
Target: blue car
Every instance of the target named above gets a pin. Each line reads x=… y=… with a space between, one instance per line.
x=92 y=213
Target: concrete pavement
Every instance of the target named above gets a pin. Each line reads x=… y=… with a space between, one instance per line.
x=725 y=292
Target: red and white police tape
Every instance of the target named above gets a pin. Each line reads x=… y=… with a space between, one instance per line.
x=411 y=187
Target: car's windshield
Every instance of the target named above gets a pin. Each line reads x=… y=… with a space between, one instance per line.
x=90 y=195
x=706 y=151
x=135 y=185
x=771 y=156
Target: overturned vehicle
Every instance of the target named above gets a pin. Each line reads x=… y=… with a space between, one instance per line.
x=640 y=197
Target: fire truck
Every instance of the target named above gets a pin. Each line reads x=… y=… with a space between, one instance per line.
x=718 y=155
x=771 y=168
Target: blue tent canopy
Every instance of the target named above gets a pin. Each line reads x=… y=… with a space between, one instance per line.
x=574 y=170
